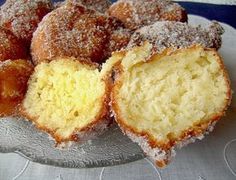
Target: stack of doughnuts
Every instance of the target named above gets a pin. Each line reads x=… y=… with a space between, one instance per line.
x=75 y=31
x=18 y=20
x=75 y=66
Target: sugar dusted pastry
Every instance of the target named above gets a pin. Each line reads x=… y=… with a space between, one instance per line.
x=11 y=47
x=68 y=99
x=167 y=34
x=21 y=17
x=14 y=76
x=74 y=31
x=99 y=5
x=163 y=101
x=138 y=13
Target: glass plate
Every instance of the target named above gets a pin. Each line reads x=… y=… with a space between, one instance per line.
x=111 y=148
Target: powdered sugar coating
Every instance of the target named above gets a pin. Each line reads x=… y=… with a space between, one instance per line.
x=155 y=154
x=138 y=13
x=192 y=139
x=74 y=31
x=167 y=34
x=5 y=63
x=160 y=156
x=11 y=47
x=98 y=5
x=88 y=134
x=119 y=39
x=22 y=16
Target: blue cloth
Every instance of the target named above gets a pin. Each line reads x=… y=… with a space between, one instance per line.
x=223 y=13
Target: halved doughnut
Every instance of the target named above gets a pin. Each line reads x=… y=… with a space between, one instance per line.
x=68 y=99
x=166 y=100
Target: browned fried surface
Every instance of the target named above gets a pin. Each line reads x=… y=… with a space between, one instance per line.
x=166 y=34
x=138 y=13
x=11 y=47
x=14 y=76
x=198 y=129
x=98 y=5
x=74 y=31
x=21 y=17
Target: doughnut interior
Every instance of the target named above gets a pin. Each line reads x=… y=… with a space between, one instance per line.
x=171 y=96
x=65 y=96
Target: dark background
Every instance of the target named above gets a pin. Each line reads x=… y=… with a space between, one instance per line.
x=223 y=13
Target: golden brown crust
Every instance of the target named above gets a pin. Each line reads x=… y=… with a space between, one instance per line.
x=122 y=12
x=11 y=47
x=137 y=13
x=14 y=76
x=195 y=131
x=167 y=34
x=74 y=31
x=21 y=17
x=102 y=117
x=98 y=5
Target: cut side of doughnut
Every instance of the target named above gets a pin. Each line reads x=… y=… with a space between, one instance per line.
x=167 y=100
x=67 y=99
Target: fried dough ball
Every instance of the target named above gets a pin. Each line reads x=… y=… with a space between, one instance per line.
x=74 y=31
x=11 y=47
x=14 y=76
x=72 y=100
x=166 y=100
x=138 y=13
x=166 y=34
x=99 y=5
x=118 y=40
x=22 y=16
